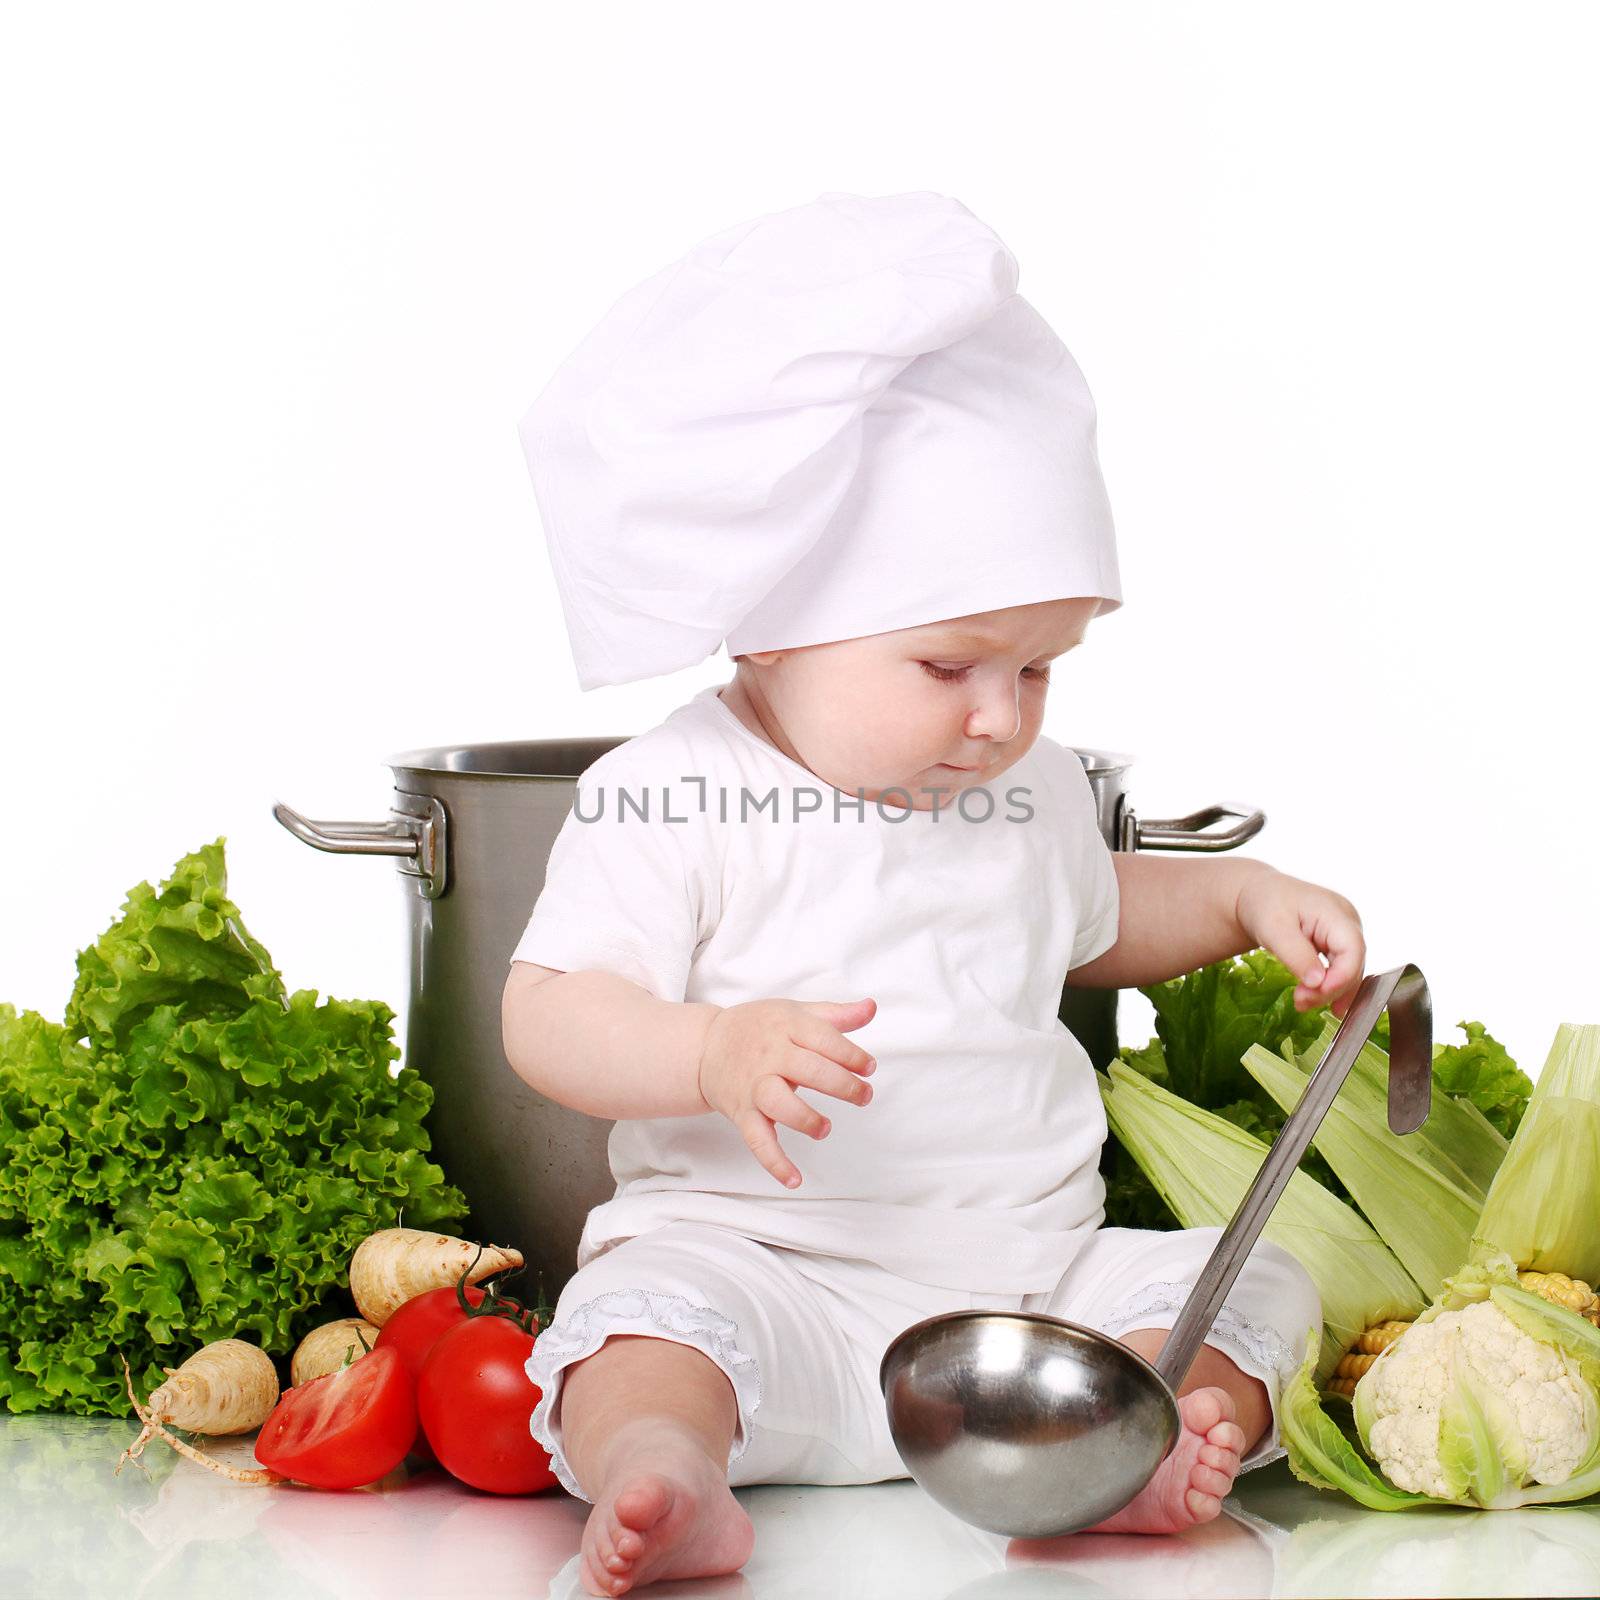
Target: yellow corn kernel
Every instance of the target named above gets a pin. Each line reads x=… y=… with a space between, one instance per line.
x=1377 y=1339
x=1560 y=1290
x=1353 y=1365
x=1355 y=1362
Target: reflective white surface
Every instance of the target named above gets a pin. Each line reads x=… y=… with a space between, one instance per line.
x=70 y=1527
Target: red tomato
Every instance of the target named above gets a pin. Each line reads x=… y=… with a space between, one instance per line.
x=412 y=1331
x=475 y=1399
x=346 y=1429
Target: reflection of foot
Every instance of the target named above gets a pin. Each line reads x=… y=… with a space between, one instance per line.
x=668 y=1513
x=1189 y=1485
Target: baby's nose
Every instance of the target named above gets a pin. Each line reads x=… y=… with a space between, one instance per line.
x=997 y=716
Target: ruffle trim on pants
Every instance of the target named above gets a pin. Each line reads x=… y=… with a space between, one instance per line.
x=640 y=1311
x=1258 y=1348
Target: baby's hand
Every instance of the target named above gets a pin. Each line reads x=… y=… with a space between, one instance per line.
x=1299 y=923
x=754 y=1055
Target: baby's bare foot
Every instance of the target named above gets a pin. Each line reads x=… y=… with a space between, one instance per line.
x=1189 y=1485
x=665 y=1512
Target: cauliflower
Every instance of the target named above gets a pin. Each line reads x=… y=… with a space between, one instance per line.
x=1470 y=1380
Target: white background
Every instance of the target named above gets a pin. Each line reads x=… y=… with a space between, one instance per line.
x=282 y=280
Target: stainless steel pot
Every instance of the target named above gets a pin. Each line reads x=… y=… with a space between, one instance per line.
x=471 y=828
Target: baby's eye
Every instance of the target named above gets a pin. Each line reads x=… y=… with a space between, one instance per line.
x=955 y=674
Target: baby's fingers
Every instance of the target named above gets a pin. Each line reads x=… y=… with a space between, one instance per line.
x=777 y=1100
x=1338 y=937
x=1348 y=952
x=757 y=1132
x=827 y=1078
x=812 y=1032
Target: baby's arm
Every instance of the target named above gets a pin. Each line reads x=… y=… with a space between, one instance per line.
x=602 y=1044
x=1179 y=914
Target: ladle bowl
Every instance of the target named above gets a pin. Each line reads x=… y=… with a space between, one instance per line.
x=993 y=1411
x=1033 y=1426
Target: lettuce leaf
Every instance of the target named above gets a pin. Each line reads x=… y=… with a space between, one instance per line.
x=1478 y=1072
x=1207 y=1019
x=193 y=1155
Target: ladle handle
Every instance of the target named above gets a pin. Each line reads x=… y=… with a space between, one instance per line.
x=1405 y=992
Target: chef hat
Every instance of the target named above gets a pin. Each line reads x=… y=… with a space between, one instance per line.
x=829 y=422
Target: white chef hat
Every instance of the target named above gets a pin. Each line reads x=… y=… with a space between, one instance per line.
x=829 y=422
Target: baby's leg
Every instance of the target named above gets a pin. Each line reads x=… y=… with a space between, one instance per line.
x=1223 y=1411
x=648 y=1424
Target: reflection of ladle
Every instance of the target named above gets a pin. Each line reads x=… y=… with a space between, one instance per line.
x=1032 y=1426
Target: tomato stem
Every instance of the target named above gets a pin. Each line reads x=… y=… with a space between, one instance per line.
x=493 y=1303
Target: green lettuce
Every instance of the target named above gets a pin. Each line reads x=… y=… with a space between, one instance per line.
x=192 y=1154
x=1478 y=1073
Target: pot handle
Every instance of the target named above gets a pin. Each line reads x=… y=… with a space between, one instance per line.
x=1186 y=833
x=415 y=832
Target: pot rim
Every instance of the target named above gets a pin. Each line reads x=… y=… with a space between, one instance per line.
x=463 y=760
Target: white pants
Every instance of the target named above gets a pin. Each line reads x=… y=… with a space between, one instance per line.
x=800 y=1336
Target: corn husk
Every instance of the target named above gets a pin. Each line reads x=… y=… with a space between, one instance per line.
x=1202 y=1165
x=1412 y=1188
x=1543 y=1208
x=1480 y=1147
x=1457 y=1139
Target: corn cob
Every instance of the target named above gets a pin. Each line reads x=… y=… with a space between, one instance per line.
x=1559 y=1289
x=1354 y=1363
x=1378 y=1339
x=1556 y=1287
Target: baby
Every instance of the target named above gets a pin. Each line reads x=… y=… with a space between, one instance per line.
x=857 y=871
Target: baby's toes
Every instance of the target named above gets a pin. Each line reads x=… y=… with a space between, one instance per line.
x=595 y=1576
x=1226 y=1461
x=1201 y=1506
x=616 y=1547
x=1205 y=1409
x=1209 y=1480
x=1226 y=1436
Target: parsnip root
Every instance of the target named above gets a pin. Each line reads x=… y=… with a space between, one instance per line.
x=225 y=1387
x=323 y=1349
x=228 y=1386
x=397 y=1264
x=153 y=1427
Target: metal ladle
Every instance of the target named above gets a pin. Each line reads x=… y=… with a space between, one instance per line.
x=1032 y=1426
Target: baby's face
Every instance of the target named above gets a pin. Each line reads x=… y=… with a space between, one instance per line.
x=908 y=708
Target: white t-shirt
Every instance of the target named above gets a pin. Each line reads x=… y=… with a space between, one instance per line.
x=974 y=1166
